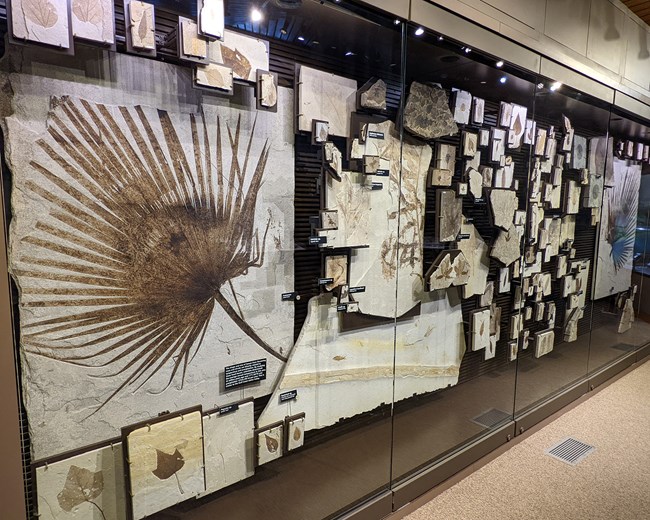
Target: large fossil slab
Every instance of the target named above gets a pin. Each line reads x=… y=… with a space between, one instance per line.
x=618 y=230
x=326 y=97
x=139 y=233
x=427 y=113
x=328 y=363
x=390 y=221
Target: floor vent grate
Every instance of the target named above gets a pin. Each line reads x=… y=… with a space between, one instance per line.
x=570 y=450
x=491 y=418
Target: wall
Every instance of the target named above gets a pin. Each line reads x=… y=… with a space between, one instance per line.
x=601 y=39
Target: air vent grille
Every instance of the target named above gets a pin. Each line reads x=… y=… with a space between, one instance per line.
x=570 y=450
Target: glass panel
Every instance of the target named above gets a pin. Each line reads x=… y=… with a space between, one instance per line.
x=564 y=236
x=460 y=336
x=203 y=272
x=341 y=365
x=621 y=250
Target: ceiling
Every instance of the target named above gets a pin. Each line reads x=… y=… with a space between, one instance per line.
x=641 y=8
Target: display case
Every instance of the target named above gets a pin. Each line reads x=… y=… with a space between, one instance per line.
x=300 y=259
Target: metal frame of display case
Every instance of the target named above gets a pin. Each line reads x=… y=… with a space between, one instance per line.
x=11 y=472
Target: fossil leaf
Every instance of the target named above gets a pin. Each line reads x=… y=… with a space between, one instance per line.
x=517 y=127
x=271 y=444
x=81 y=485
x=339 y=358
x=88 y=11
x=167 y=465
x=143 y=26
x=237 y=61
x=40 y=12
x=297 y=434
x=482 y=329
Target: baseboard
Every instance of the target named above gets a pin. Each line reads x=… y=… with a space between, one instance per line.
x=643 y=353
x=605 y=374
x=536 y=415
x=425 y=480
x=378 y=507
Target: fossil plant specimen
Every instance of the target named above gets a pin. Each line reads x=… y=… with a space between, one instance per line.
x=622 y=201
x=141 y=241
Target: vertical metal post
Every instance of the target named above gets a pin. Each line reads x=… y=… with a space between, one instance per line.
x=12 y=491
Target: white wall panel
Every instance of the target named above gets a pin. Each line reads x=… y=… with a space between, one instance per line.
x=606 y=42
x=637 y=59
x=567 y=22
x=529 y=12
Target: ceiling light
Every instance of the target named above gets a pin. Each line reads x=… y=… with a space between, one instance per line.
x=396 y=22
x=419 y=31
x=256 y=15
x=555 y=86
x=301 y=38
x=440 y=38
x=503 y=79
x=467 y=50
x=499 y=64
x=349 y=53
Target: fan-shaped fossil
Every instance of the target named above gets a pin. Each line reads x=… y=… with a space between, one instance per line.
x=141 y=241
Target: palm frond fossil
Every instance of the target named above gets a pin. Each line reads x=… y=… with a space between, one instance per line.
x=141 y=241
x=622 y=201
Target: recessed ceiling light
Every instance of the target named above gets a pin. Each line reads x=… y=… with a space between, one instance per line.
x=419 y=31
x=503 y=79
x=499 y=64
x=256 y=15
